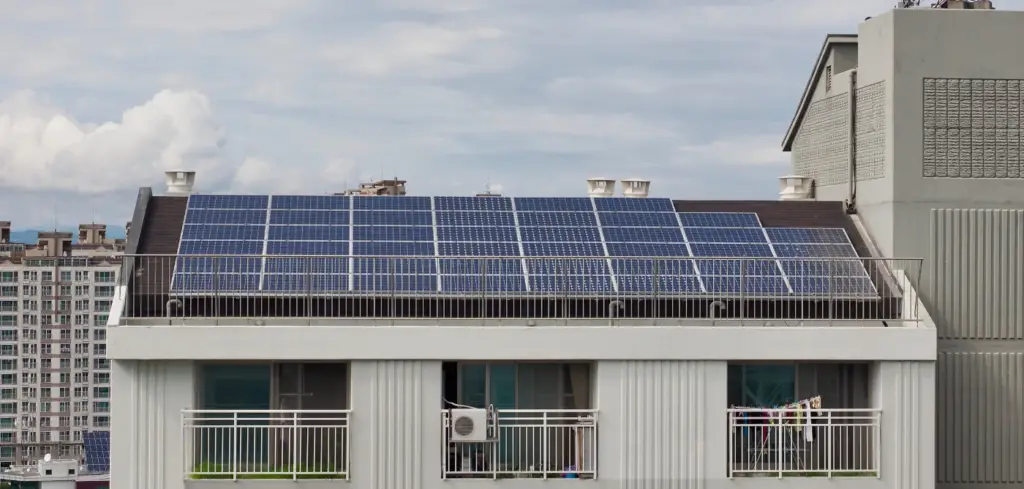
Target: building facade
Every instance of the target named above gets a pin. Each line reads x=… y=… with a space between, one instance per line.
x=55 y=300
x=917 y=120
x=410 y=342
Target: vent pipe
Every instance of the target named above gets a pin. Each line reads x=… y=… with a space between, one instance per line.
x=600 y=187
x=636 y=187
x=179 y=182
x=796 y=187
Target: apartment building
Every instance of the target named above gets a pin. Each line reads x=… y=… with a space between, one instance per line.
x=55 y=300
x=916 y=122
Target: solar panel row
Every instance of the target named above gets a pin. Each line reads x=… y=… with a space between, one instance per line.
x=608 y=238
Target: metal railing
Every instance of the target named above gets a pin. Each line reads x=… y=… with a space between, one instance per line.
x=444 y=288
x=266 y=444
x=805 y=442
x=529 y=443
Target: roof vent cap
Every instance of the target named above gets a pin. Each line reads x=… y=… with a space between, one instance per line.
x=600 y=187
x=796 y=187
x=636 y=187
x=179 y=182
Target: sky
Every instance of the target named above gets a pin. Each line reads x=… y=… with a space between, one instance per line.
x=526 y=97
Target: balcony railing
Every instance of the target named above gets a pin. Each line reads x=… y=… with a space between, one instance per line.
x=805 y=443
x=667 y=290
x=529 y=443
x=271 y=444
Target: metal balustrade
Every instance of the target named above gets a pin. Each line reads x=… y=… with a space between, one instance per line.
x=805 y=442
x=594 y=290
x=529 y=443
x=266 y=444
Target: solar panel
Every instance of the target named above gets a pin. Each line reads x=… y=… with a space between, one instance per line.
x=97 y=450
x=394 y=283
x=393 y=203
x=724 y=235
x=649 y=267
x=392 y=248
x=222 y=247
x=392 y=233
x=403 y=266
x=221 y=283
x=306 y=264
x=634 y=205
x=477 y=233
x=816 y=250
x=222 y=232
x=473 y=218
x=473 y=203
x=642 y=235
x=562 y=249
x=225 y=202
x=746 y=285
x=303 y=283
x=644 y=219
x=307 y=233
x=808 y=235
x=483 y=283
x=554 y=204
x=571 y=284
x=720 y=219
x=833 y=286
x=557 y=219
x=648 y=284
x=392 y=218
x=310 y=202
x=647 y=249
x=306 y=217
x=227 y=264
x=572 y=234
x=478 y=249
x=212 y=216
x=477 y=266
x=316 y=248
x=568 y=266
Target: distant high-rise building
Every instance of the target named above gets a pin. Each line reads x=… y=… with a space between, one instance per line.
x=55 y=297
x=393 y=186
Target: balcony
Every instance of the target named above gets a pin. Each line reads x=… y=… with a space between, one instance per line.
x=266 y=444
x=388 y=290
x=804 y=442
x=526 y=443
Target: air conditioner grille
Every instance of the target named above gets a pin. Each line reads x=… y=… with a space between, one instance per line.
x=463 y=426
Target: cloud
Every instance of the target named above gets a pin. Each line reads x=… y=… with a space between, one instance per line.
x=44 y=148
x=755 y=150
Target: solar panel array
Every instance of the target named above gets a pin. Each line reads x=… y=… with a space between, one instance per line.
x=97 y=450
x=339 y=244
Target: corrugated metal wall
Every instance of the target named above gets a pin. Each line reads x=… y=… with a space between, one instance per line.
x=976 y=296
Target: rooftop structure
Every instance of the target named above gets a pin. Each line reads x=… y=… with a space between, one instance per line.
x=915 y=122
x=392 y=187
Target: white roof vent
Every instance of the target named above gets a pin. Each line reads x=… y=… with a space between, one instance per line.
x=179 y=182
x=796 y=187
x=636 y=187
x=600 y=187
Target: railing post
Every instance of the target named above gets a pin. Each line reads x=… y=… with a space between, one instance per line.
x=543 y=462
x=234 y=446
x=828 y=443
x=295 y=445
x=732 y=444
x=743 y=289
x=780 y=441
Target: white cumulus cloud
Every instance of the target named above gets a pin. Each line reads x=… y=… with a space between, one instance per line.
x=42 y=147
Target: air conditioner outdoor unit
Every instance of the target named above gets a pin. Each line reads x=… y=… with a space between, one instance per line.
x=468 y=425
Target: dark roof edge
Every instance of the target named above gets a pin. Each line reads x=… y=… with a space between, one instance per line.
x=138 y=222
x=805 y=99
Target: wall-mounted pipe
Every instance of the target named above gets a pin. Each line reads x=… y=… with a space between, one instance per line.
x=851 y=199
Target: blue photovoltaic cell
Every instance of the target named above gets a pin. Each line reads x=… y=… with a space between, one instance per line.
x=651 y=267
x=642 y=235
x=308 y=233
x=97 y=450
x=220 y=248
x=663 y=284
x=232 y=264
x=726 y=250
x=489 y=266
x=392 y=248
x=569 y=266
x=576 y=284
x=321 y=248
x=622 y=204
x=808 y=235
x=483 y=283
x=223 y=231
x=720 y=219
x=833 y=286
x=201 y=216
x=392 y=233
x=579 y=234
x=392 y=218
x=394 y=283
x=647 y=249
x=816 y=251
x=318 y=283
x=738 y=266
x=306 y=264
x=202 y=201
x=310 y=202
x=557 y=219
x=403 y=203
x=216 y=283
x=320 y=218
x=473 y=218
x=466 y=233
x=478 y=249
x=402 y=266
x=724 y=235
x=746 y=285
x=643 y=219
x=472 y=203
x=563 y=249
x=553 y=204
x=823 y=268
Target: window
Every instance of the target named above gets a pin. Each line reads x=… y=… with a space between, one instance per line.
x=828 y=78
x=100 y=320
x=8 y=276
x=104 y=291
x=47 y=277
x=101 y=378
x=104 y=277
x=99 y=306
x=104 y=393
x=99 y=335
x=9 y=291
x=9 y=306
x=761 y=385
x=101 y=406
x=65 y=276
